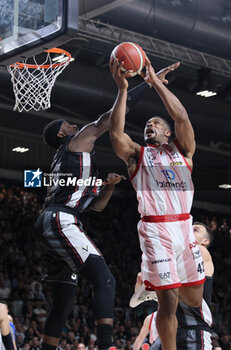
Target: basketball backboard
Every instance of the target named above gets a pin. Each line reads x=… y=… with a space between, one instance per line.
x=28 y=27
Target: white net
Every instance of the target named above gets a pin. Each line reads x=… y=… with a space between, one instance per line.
x=33 y=83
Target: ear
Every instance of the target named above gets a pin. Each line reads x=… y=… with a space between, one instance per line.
x=205 y=242
x=61 y=134
x=167 y=133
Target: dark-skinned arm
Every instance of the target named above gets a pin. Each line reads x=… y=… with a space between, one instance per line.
x=183 y=127
x=105 y=194
x=85 y=138
x=122 y=144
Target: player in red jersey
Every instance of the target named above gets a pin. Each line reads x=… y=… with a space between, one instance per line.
x=161 y=175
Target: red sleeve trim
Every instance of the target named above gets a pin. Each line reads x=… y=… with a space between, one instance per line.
x=138 y=164
x=179 y=149
x=150 y=323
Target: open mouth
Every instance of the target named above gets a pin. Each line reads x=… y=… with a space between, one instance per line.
x=150 y=131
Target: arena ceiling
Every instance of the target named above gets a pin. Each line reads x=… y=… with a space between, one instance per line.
x=197 y=33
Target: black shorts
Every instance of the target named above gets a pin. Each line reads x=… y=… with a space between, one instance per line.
x=64 y=245
x=189 y=339
x=193 y=339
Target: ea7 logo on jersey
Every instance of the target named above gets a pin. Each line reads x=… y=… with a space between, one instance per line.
x=164 y=275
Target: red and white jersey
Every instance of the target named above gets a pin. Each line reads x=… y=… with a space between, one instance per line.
x=162 y=180
x=153 y=333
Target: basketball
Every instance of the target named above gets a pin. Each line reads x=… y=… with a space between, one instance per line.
x=132 y=55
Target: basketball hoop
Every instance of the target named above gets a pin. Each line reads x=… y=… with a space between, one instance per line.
x=33 y=83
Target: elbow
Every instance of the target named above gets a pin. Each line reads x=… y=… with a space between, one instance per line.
x=97 y=209
x=179 y=115
x=182 y=115
x=114 y=135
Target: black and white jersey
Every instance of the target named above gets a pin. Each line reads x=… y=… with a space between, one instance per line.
x=74 y=176
x=200 y=317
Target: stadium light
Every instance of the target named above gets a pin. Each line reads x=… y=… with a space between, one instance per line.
x=225 y=186
x=206 y=93
x=203 y=84
x=20 y=149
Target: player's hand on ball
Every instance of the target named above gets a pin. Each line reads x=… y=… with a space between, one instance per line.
x=113 y=178
x=163 y=72
x=118 y=75
x=149 y=76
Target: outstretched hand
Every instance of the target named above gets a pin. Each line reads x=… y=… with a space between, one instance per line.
x=163 y=72
x=118 y=75
x=113 y=179
x=151 y=77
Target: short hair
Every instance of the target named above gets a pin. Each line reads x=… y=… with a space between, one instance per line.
x=208 y=232
x=50 y=133
x=167 y=124
x=168 y=127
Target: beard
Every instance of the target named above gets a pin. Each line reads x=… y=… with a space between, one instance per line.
x=151 y=140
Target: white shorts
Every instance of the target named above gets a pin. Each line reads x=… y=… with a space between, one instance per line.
x=171 y=257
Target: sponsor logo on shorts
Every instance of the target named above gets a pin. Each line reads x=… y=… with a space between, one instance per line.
x=164 y=275
x=193 y=244
x=160 y=261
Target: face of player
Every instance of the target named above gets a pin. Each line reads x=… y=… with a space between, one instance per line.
x=67 y=129
x=200 y=234
x=156 y=131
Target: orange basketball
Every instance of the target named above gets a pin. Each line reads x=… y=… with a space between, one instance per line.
x=132 y=55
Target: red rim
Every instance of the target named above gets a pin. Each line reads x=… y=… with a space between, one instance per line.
x=45 y=66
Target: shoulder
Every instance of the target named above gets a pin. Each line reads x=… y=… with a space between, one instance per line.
x=205 y=253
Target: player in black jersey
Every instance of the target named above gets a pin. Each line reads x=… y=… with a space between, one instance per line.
x=67 y=249
x=194 y=324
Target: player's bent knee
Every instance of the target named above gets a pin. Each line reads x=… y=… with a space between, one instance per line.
x=98 y=273
x=168 y=300
x=192 y=296
x=193 y=302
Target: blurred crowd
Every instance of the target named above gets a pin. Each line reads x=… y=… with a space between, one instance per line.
x=114 y=232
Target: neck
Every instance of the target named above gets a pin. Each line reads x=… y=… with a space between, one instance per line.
x=156 y=143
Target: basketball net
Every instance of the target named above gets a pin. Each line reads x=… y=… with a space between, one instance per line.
x=33 y=83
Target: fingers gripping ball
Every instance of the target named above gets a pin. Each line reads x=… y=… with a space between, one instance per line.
x=132 y=55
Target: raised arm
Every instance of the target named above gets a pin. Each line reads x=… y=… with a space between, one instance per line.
x=183 y=128
x=105 y=194
x=143 y=333
x=122 y=144
x=85 y=138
